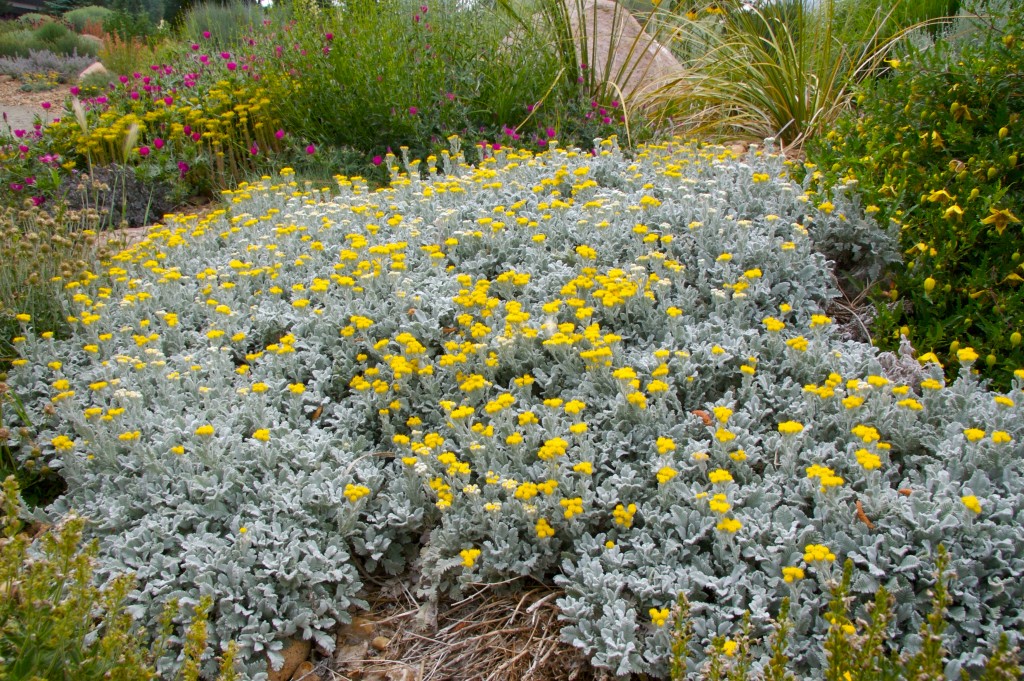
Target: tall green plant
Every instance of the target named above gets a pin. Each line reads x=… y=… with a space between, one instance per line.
x=783 y=69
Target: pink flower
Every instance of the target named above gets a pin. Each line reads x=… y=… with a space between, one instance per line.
x=182 y=168
x=187 y=130
x=232 y=66
x=38 y=200
x=158 y=143
x=123 y=79
x=46 y=105
x=206 y=34
x=143 y=151
x=19 y=133
x=254 y=149
x=75 y=90
x=279 y=134
x=377 y=160
x=311 y=149
x=329 y=36
x=413 y=110
x=16 y=187
x=204 y=59
x=168 y=100
x=196 y=137
x=133 y=94
x=550 y=132
x=225 y=55
x=195 y=47
x=423 y=8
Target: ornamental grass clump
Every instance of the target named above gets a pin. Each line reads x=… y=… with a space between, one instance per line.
x=612 y=374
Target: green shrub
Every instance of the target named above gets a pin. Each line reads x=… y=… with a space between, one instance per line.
x=72 y=44
x=51 y=31
x=18 y=43
x=935 y=145
x=92 y=14
x=55 y=624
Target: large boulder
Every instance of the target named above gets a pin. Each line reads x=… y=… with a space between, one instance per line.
x=617 y=49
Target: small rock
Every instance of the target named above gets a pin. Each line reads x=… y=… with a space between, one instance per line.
x=380 y=642
x=305 y=672
x=295 y=653
x=91 y=69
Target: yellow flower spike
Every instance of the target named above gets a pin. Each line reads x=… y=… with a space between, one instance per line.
x=666 y=473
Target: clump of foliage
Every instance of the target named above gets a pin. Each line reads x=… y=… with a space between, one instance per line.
x=82 y=17
x=58 y=68
x=610 y=373
x=56 y=624
x=935 y=146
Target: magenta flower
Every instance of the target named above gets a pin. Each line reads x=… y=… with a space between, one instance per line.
x=195 y=47
x=46 y=105
x=225 y=55
x=168 y=100
x=133 y=94
x=16 y=187
x=204 y=59
x=279 y=134
x=232 y=66
x=311 y=149
x=550 y=132
x=38 y=200
x=377 y=160
x=254 y=149
x=19 y=133
x=329 y=36
x=413 y=110
x=158 y=143
x=206 y=34
x=123 y=79
x=143 y=151
x=75 y=90
x=182 y=168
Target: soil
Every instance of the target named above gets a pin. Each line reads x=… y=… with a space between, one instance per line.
x=19 y=108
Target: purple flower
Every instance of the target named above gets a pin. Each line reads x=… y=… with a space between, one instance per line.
x=196 y=137
x=413 y=110
x=168 y=100
x=75 y=90
x=16 y=187
x=254 y=149
x=133 y=94
x=204 y=59
x=182 y=168
x=329 y=36
x=195 y=47
x=279 y=134
x=46 y=105
x=550 y=132
x=225 y=55
x=232 y=66
x=206 y=34
x=123 y=79
x=377 y=160
x=143 y=151
x=19 y=133
x=38 y=200
x=158 y=143
x=311 y=149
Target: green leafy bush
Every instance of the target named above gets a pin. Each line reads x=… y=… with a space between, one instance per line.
x=935 y=146
x=81 y=17
x=55 y=624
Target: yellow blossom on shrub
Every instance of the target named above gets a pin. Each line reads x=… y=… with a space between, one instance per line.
x=972 y=503
x=666 y=473
x=791 y=427
x=205 y=431
x=355 y=492
x=974 y=434
x=659 y=616
x=623 y=515
x=719 y=475
x=791 y=574
x=469 y=557
x=818 y=553
x=544 y=530
x=730 y=525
